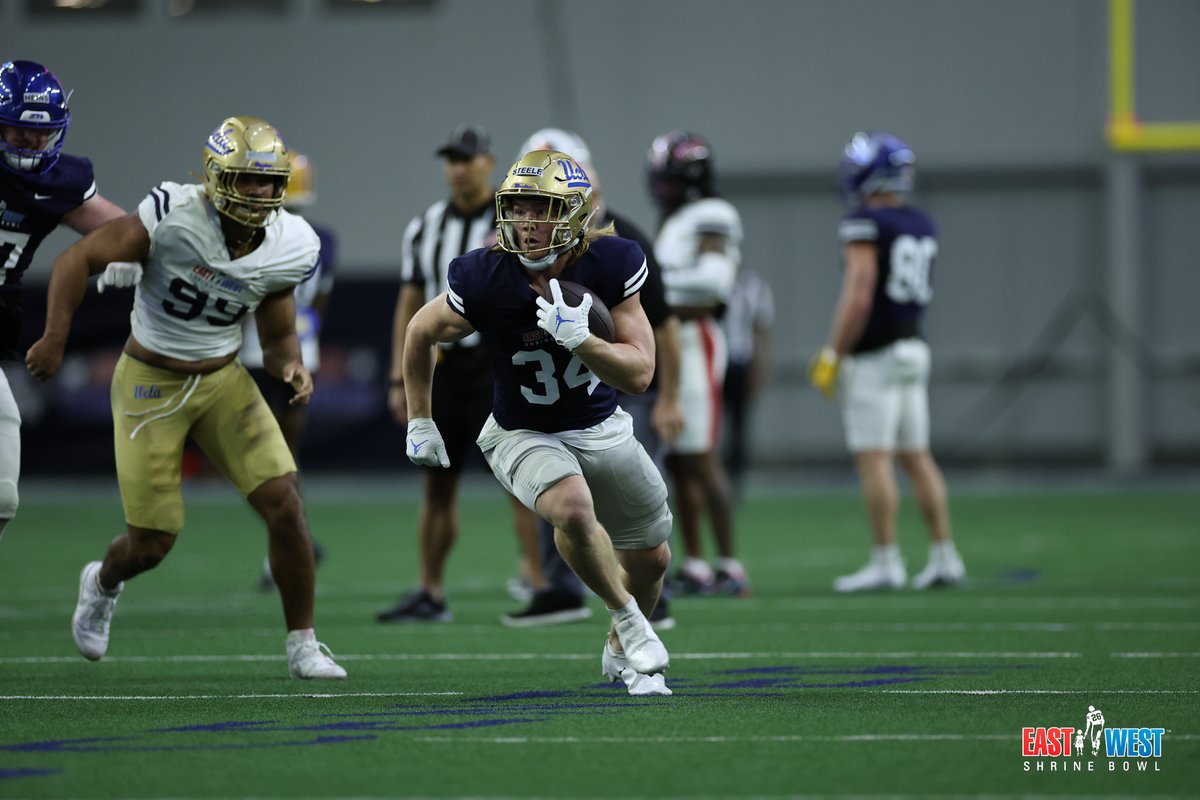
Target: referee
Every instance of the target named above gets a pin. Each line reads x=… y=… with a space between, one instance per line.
x=462 y=382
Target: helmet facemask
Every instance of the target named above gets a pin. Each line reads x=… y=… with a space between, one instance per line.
x=251 y=211
x=34 y=162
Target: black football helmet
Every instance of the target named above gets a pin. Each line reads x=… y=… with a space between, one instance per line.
x=679 y=168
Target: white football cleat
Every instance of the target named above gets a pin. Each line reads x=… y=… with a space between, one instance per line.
x=943 y=570
x=311 y=660
x=93 y=613
x=874 y=577
x=644 y=651
x=616 y=667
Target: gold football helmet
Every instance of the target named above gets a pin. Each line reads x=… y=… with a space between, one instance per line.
x=559 y=179
x=242 y=145
x=302 y=186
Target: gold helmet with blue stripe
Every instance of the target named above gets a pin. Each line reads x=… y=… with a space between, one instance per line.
x=238 y=146
x=558 y=179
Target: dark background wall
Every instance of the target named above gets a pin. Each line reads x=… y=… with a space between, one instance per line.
x=1005 y=104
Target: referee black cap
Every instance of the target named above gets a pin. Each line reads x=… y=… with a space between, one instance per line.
x=467 y=141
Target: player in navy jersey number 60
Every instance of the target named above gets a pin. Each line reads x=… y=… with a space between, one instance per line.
x=877 y=362
x=556 y=438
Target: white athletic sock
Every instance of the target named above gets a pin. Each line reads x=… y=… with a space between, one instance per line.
x=301 y=635
x=941 y=551
x=887 y=554
x=698 y=568
x=731 y=566
x=629 y=609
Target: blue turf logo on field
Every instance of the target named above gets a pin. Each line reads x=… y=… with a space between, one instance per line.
x=334 y=722
x=1065 y=748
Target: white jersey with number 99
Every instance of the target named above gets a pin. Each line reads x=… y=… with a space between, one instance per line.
x=192 y=296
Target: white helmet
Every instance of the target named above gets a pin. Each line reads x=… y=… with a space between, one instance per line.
x=563 y=142
x=573 y=145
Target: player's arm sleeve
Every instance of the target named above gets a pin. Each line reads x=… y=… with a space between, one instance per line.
x=458 y=293
x=85 y=181
x=634 y=274
x=858 y=229
x=708 y=281
x=155 y=207
x=653 y=296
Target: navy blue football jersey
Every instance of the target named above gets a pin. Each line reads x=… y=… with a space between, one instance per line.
x=906 y=241
x=31 y=206
x=540 y=385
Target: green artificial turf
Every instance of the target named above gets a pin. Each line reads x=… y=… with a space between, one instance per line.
x=1076 y=599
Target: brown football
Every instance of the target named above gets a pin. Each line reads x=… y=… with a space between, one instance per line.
x=600 y=321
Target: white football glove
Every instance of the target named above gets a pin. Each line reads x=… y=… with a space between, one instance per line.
x=119 y=275
x=424 y=444
x=567 y=324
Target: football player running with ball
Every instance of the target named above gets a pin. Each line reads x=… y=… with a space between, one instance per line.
x=888 y=247
x=556 y=438
x=213 y=254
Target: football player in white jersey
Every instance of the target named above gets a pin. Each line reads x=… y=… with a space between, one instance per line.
x=699 y=248
x=213 y=253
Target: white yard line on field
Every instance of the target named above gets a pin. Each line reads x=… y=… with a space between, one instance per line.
x=849 y=738
x=179 y=659
x=1039 y=691
x=1155 y=655
x=304 y=695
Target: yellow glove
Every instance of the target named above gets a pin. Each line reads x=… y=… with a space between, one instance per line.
x=823 y=370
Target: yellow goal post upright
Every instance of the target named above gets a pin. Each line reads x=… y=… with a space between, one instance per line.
x=1125 y=131
x=1129 y=138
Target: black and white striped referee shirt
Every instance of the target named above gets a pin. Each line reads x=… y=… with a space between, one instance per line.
x=433 y=239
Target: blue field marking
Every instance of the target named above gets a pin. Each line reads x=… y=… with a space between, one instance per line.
x=1007 y=578
x=135 y=744
x=492 y=711
x=800 y=677
x=8 y=773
